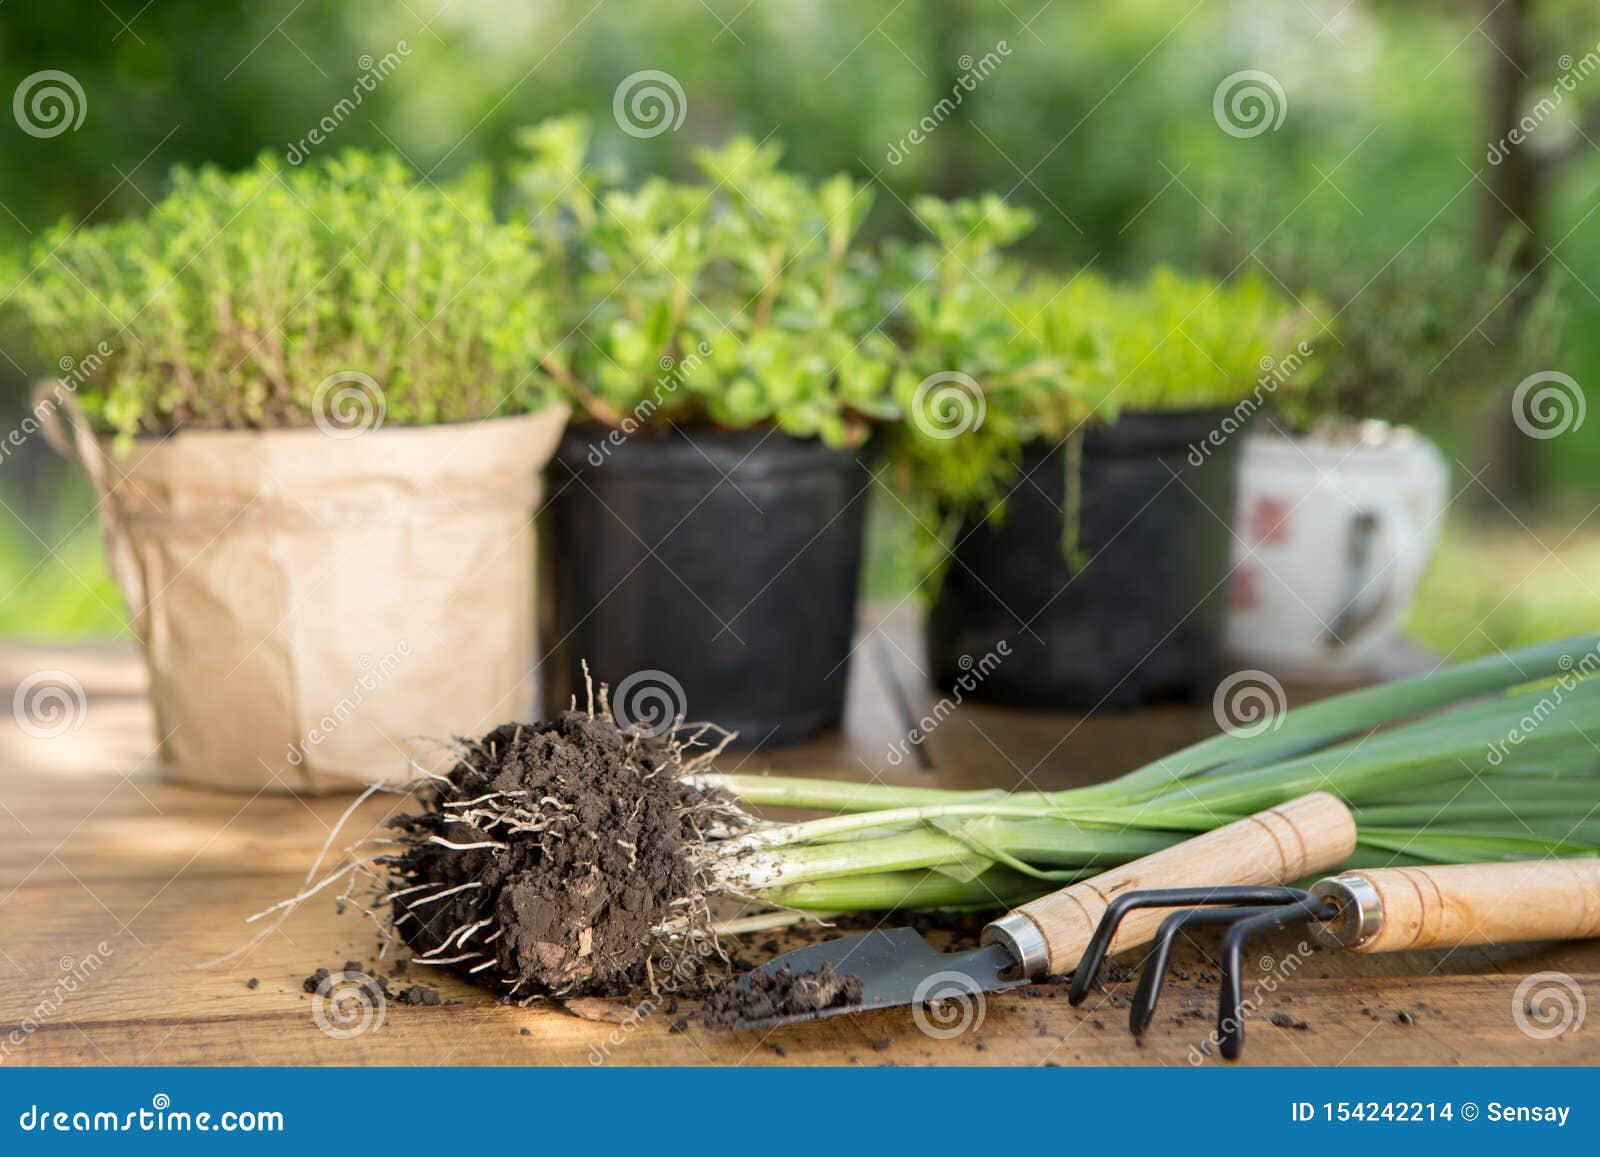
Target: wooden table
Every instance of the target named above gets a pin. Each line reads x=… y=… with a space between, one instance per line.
x=114 y=884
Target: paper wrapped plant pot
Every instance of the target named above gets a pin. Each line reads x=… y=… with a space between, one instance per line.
x=316 y=611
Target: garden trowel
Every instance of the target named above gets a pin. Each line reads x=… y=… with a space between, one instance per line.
x=1047 y=936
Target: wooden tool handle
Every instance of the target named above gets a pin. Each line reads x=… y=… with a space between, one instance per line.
x=1503 y=903
x=1276 y=846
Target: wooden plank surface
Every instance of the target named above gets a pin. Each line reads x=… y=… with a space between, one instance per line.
x=114 y=884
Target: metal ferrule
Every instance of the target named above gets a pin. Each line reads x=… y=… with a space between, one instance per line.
x=1360 y=911
x=1022 y=938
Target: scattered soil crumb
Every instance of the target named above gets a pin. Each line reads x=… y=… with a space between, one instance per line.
x=779 y=1049
x=524 y=1032
x=765 y=995
x=417 y=994
x=882 y=1046
x=1405 y=1017
x=253 y=982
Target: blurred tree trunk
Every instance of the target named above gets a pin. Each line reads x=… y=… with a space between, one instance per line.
x=1511 y=204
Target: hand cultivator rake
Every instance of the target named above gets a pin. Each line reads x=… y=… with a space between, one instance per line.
x=1368 y=910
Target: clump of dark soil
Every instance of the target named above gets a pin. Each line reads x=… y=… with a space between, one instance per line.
x=549 y=858
x=765 y=995
x=315 y=980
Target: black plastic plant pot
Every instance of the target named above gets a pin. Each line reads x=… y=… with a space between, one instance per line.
x=706 y=572
x=1135 y=614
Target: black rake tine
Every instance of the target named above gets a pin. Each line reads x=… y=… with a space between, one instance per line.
x=1148 y=994
x=1100 y=943
x=1230 y=1007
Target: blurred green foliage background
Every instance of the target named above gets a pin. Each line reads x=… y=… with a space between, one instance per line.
x=1099 y=117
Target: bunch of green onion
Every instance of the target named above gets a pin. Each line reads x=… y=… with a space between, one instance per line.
x=1494 y=759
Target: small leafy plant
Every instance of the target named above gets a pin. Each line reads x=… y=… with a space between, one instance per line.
x=737 y=302
x=986 y=364
x=1182 y=343
x=995 y=358
x=238 y=294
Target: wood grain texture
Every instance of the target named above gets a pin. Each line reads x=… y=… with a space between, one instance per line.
x=104 y=863
x=1463 y=904
x=1277 y=846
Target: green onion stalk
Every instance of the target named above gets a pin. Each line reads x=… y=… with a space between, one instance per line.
x=1494 y=759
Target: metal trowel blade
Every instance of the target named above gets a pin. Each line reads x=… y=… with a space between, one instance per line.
x=897 y=967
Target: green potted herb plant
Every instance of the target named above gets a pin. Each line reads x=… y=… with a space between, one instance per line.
x=703 y=537
x=1080 y=513
x=1341 y=496
x=309 y=403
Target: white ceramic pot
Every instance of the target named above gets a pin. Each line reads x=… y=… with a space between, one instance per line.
x=1332 y=537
